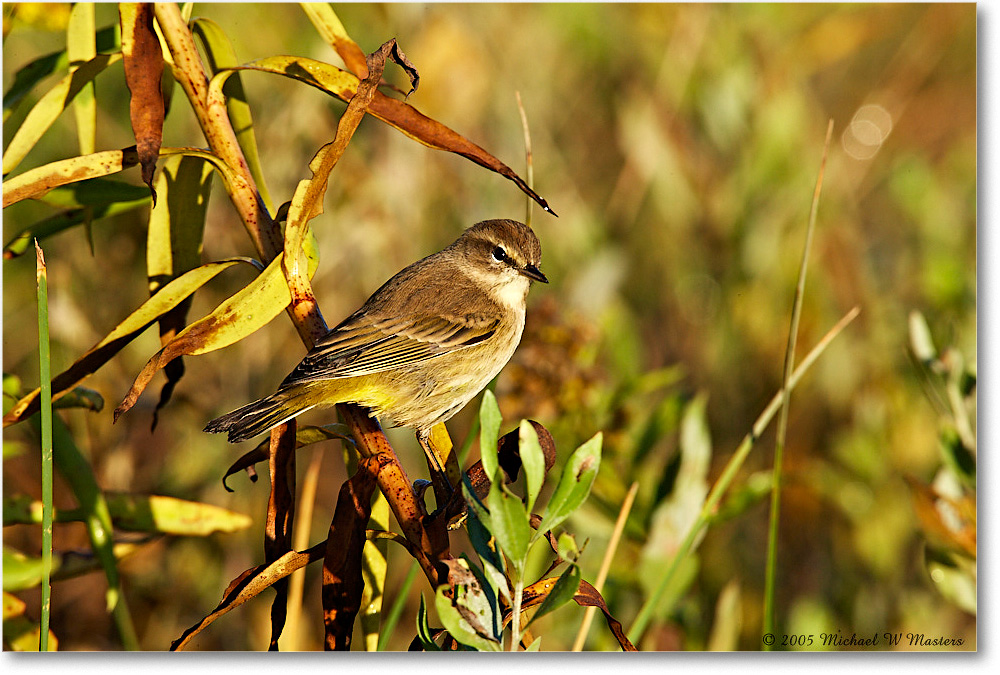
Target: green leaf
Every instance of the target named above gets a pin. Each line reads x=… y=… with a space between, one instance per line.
x=95 y=192
x=574 y=484
x=476 y=504
x=81 y=46
x=510 y=525
x=567 y=548
x=81 y=397
x=489 y=433
x=562 y=592
x=457 y=625
x=533 y=461
x=49 y=107
x=424 y=628
x=535 y=645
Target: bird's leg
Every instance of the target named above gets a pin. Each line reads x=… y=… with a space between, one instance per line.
x=439 y=478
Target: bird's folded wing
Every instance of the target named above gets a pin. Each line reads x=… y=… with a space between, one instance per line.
x=362 y=344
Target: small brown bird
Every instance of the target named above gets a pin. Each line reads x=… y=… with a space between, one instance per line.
x=423 y=345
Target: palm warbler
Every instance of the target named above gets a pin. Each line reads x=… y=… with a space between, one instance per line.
x=423 y=345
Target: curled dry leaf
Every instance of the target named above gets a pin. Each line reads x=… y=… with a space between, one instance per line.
x=394 y=112
x=143 y=60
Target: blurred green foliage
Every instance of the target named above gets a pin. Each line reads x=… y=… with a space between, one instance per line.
x=679 y=145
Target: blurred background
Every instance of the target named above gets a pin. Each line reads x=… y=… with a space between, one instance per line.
x=680 y=146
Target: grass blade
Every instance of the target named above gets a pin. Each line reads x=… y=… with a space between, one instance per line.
x=779 y=446
x=46 y=391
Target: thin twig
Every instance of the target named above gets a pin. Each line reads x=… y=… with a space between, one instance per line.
x=609 y=554
x=779 y=446
x=529 y=173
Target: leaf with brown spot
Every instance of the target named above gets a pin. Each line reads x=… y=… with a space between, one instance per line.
x=329 y=26
x=169 y=297
x=48 y=109
x=143 y=61
x=250 y=308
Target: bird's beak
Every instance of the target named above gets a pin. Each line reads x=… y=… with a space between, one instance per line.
x=532 y=272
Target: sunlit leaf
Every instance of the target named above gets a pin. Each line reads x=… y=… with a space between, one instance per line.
x=396 y=113
x=243 y=313
x=38 y=181
x=457 y=624
x=574 y=484
x=532 y=460
x=30 y=75
x=329 y=26
x=510 y=524
x=81 y=45
x=220 y=54
x=48 y=109
x=489 y=433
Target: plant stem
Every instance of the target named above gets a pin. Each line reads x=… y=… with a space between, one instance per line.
x=771 y=570
x=46 y=414
x=515 y=619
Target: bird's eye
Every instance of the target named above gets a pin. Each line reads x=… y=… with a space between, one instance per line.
x=499 y=254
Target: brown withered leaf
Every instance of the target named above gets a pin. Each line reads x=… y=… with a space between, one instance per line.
x=396 y=113
x=143 y=61
x=249 y=585
x=280 y=516
x=343 y=583
x=588 y=596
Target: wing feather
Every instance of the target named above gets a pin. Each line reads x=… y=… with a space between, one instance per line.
x=363 y=344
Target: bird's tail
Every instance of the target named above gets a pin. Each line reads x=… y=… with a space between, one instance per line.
x=260 y=416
